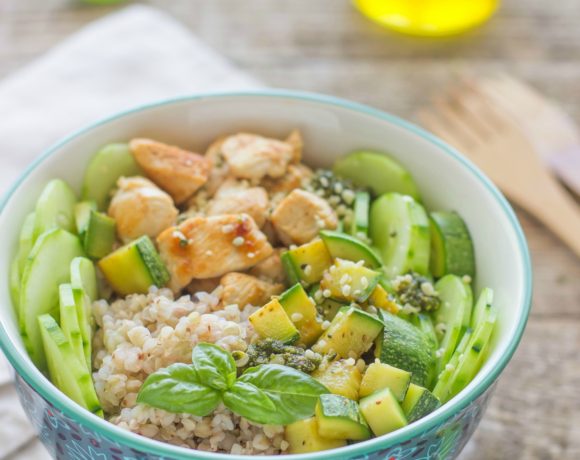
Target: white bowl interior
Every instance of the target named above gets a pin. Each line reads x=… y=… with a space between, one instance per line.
x=329 y=130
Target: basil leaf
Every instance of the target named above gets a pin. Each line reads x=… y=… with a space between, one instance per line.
x=293 y=393
x=214 y=365
x=178 y=389
x=250 y=402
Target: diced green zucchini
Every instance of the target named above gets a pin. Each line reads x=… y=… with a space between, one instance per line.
x=340 y=418
x=303 y=437
x=404 y=346
x=380 y=375
x=84 y=276
x=66 y=372
x=302 y=312
x=69 y=320
x=399 y=228
x=343 y=246
x=349 y=281
x=306 y=263
x=380 y=298
x=454 y=314
x=350 y=334
x=418 y=403
x=359 y=227
x=106 y=167
x=96 y=230
x=376 y=171
x=341 y=377
x=134 y=268
x=271 y=321
x=441 y=389
x=55 y=208
x=471 y=359
x=483 y=304
x=383 y=412
x=46 y=268
x=451 y=245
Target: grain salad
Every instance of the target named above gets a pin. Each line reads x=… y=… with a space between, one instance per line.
x=237 y=301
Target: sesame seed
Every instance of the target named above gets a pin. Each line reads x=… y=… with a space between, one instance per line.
x=332 y=269
x=324 y=181
x=360 y=263
x=251 y=255
x=344 y=279
x=307 y=270
x=326 y=293
x=310 y=354
x=357 y=292
x=325 y=325
x=296 y=317
x=345 y=290
x=350 y=362
x=466 y=279
x=293 y=246
x=238 y=241
x=338 y=187
x=334 y=200
x=228 y=228
x=365 y=282
x=322 y=343
x=209 y=252
x=427 y=289
x=318 y=295
x=449 y=367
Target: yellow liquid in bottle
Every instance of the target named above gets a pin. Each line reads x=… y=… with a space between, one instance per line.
x=428 y=17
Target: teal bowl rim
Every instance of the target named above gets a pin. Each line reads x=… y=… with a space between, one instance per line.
x=41 y=385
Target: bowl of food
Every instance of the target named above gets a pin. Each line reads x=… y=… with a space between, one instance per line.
x=258 y=273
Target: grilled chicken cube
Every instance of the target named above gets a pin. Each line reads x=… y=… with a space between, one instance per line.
x=235 y=198
x=270 y=269
x=220 y=170
x=297 y=143
x=301 y=215
x=242 y=289
x=207 y=247
x=140 y=208
x=296 y=176
x=253 y=157
x=177 y=171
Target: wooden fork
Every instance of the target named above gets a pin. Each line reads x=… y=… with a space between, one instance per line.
x=471 y=122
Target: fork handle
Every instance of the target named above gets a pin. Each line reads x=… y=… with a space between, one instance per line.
x=557 y=210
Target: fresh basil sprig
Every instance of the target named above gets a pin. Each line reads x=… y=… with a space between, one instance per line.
x=267 y=394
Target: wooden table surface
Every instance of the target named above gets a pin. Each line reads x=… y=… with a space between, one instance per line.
x=325 y=46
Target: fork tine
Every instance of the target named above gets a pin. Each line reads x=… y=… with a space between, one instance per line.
x=452 y=113
x=468 y=103
x=429 y=120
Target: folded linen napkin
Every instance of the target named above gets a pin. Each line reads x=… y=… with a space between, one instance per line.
x=113 y=64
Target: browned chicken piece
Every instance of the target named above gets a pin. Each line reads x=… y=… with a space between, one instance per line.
x=206 y=285
x=271 y=268
x=234 y=197
x=253 y=157
x=179 y=172
x=301 y=215
x=296 y=176
x=297 y=143
x=242 y=289
x=207 y=247
x=139 y=208
x=220 y=170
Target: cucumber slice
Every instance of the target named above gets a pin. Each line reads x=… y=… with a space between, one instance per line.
x=47 y=267
x=359 y=227
x=442 y=386
x=55 y=208
x=83 y=276
x=83 y=214
x=483 y=303
x=405 y=347
x=425 y=324
x=66 y=372
x=451 y=245
x=100 y=235
x=399 y=227
x=69 y=321
x=106 y=167
x=25 y=242
x=454 y=313
x=343 y=246
x=84 y=310
x=376 y=171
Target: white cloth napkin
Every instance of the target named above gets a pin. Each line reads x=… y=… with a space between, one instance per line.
x=132 y=57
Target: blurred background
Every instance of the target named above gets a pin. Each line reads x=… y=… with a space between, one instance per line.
x=328 y=46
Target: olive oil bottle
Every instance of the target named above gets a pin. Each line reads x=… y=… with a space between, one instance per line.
x=428 y=17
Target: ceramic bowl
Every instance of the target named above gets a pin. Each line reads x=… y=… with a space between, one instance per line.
x=331 y=128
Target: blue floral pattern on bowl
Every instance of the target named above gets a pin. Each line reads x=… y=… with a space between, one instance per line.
x=66 y=439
